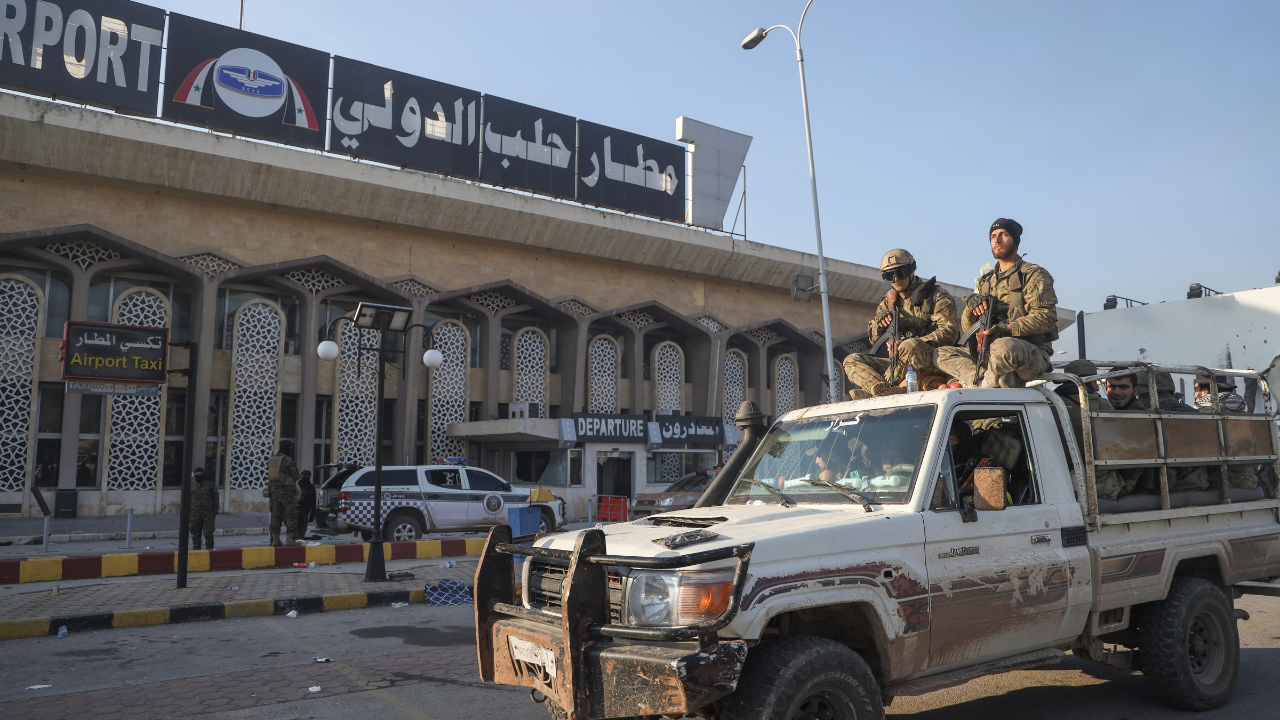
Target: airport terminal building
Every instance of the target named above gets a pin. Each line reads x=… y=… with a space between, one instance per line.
x=590 y=323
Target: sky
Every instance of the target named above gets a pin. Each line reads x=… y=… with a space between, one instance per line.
x=1137 y=143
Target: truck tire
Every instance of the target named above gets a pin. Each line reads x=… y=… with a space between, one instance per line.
x=1189 y=645
x=804 y=678
x=403 y=527
x=547 y=523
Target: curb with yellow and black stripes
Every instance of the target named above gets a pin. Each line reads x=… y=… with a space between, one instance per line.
x=40 y=626
x=87 y=567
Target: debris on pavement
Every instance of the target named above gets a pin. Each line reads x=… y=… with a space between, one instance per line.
x=400 y=575
x=314 y=688
x=291 y=614
x=39 y=687
x=62 y=632
x=448 y=592
x=399 y=605
x=320 y=660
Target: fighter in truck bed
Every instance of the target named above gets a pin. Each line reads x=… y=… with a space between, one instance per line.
x=911 y=558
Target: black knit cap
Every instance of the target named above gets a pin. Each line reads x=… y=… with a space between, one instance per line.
x=1006 y=224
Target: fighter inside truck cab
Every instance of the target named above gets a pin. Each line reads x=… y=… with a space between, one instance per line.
x=897 y=545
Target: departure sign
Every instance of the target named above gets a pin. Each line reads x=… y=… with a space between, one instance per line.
x=98 y=351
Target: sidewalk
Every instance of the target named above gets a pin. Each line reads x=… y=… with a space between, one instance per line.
x=155 y=599
x=112 y=527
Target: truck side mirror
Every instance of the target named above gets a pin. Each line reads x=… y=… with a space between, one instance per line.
x=989 y=488
x=967 y=513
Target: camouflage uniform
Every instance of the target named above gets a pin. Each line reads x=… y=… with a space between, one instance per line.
x=1166 y=391
x=924 y=325
x=204 y=510
x=284 y=499
x=1025 y=324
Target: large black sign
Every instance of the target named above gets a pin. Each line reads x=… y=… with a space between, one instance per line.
x=593 y=427
x=236 y=81
x=99 y=351
x=691 y=429
x=399 y=119
x=105 y=52
x=528 y=148
x=630 y=172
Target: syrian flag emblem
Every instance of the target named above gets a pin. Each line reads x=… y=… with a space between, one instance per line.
x=250 y=83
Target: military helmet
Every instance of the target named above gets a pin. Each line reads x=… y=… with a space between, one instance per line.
x=1081 y=368
x=896 y=258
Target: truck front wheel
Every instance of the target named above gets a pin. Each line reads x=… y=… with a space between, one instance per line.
x=1189 y=645
x=804 y=678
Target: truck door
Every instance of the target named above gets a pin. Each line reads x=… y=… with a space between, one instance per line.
x=446 y=497
x=490 y=496
x=999 y=586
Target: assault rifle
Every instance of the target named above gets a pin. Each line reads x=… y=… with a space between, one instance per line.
x=890 y=333
x=984 y=323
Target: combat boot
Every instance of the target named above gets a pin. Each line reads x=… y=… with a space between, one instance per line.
x=275 y=540
x=195 y=545
x=881 y=389
x=291 y=538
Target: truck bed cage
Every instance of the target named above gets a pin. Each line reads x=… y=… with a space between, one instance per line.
x=1117 y=440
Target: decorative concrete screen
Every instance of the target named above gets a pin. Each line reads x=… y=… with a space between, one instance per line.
x=786 y=376
x=449 y=387
x=255 y=392
x=532 y=368
x=735 y=384
x=133 y=450
x=20 y=305
x=604 y=359
x=668 y=376
x=356 y=417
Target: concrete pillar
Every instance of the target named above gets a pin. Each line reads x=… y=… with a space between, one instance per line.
x=490 y=359
x=68 y=452
x=308 y=339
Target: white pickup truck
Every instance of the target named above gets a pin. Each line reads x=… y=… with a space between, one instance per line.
x=860 y=551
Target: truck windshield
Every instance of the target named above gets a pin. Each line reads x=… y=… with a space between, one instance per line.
x=874 y=452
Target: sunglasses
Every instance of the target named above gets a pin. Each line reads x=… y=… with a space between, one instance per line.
x=897 y=273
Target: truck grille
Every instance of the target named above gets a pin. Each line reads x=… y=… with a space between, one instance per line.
x=546 y=587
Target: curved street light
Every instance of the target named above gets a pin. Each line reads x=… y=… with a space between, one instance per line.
x=383 y=318
x=755 y=38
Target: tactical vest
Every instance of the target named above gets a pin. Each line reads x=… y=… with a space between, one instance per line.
x=1017 y=306
x=273 y=467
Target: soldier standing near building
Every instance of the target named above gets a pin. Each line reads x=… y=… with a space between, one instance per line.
x=1024 y=320
x=283 y=476
x=926 y=321
x=204 y=508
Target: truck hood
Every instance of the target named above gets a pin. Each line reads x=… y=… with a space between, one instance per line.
x=822 y=529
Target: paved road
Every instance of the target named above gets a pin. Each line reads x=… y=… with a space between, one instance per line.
x=418 y=662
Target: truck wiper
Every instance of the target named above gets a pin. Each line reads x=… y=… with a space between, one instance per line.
x=856 y=497
x=783 y=499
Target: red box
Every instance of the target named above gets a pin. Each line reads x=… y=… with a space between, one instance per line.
x=348 y=553
x=155 y=563
x=229 y=559
x=404 y=550
x=82 y=567
x=287 y=556
x=9 y=571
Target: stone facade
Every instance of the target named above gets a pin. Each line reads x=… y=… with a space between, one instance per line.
x=254 y=249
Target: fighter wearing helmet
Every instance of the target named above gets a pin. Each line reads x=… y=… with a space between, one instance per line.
x=926 y=321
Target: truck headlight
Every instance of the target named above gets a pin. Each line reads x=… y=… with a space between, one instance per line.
x=677 y=598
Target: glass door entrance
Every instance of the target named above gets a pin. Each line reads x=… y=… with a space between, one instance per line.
x=613 y=474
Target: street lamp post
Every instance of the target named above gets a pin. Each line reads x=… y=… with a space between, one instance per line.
x=384 y=318
x=751 y=41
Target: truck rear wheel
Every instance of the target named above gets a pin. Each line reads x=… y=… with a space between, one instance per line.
x=804 y=678
x=1189 y=645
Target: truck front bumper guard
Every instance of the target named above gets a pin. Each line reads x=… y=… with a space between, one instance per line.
x=588 y=666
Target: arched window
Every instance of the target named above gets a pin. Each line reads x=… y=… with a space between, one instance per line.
x=21 y=310
x=258 y=342
x=668 y=377
x=356 y=417
x=133 y=447
x=735 y=384
x=449 y=387
x=786 y=383
x=604 y=369
x=532 y=365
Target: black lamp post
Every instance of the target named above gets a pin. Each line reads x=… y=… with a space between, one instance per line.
x=383 y=318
